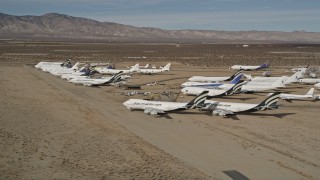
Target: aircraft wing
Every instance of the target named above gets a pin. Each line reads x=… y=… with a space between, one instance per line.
x=222 y=112
x=154 y=111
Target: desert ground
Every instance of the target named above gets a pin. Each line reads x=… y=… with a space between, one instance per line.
x=51 y=129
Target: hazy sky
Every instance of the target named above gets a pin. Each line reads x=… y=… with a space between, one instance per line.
x=229 y=15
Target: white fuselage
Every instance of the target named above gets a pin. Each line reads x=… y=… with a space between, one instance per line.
x=265 y=79
x=89 y=81
x=47 y=64
x=60 y=72
x=309 y=81
x=238 y=67
x=198 y=90
x=199 y=84
x=151 y=71
x=285 y=79
x=294 y=96
x=145 y=104
x=53 y=68
x=257 y=88
x=207 y=79
x=229 y=106
x=114 y=71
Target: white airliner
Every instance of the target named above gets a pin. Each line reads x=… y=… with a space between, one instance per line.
x=250 y=88
x=115 y=71
x=287 y=80
x=249 y=68
x=97 y=81
x=44 y=64
x=55 y=65
x=290 y=97
x=214 y=79
x=309 y=81
x=62 y=71
x=142 y=67
x=214 y=92
x=235 y=80
x=159 y=107
x=230 y=108
x=154 y=71
x=52 y=69
x=47 y=64
x=299 y=68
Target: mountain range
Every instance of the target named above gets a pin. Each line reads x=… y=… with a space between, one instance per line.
x=60 y=26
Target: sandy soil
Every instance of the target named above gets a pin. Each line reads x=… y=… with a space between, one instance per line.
x=52 y=129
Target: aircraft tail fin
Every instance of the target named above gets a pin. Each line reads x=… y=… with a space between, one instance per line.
x=198 y=101
x=167 y=67
x=234 y=75
x=116 y=77
x=135 y=68
x=146 y=66
x=236 y=88
x=265 y=65
x=297 y=75
x=310 y=92
x=270 y=102
x=302 y=72
x=236 y=79
x=293 y=78
x=75 y=66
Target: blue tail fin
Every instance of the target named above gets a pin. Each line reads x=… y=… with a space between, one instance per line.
x=265 y=65
x=234 y=75
x=236 y=79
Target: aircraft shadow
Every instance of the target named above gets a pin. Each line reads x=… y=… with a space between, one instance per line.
x=167 y=116
x=240 y=98
x=233 y=117
x=279 y=115
x=189 y=112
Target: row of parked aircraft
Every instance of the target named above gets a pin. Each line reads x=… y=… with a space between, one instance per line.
x=79 y=75
x=249 y=68
x=135 y=68
x=58 y=66
x=201 y=102
x=83 y=75
x=254 y=84
x=201 y=86
x=208 y=87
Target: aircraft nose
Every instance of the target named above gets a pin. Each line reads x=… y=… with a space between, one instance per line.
x=183 y=90
x=126 y=103
x=71 y=81
x=183 y=84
